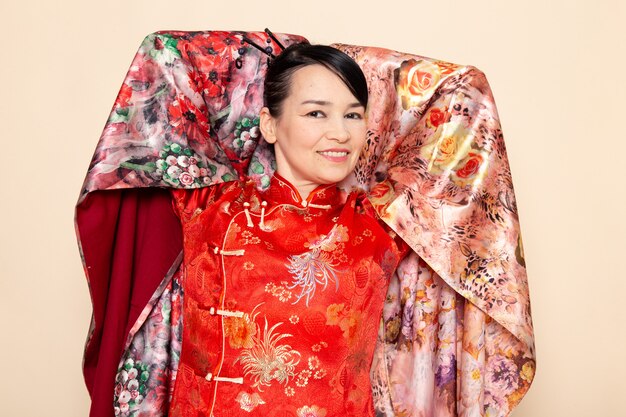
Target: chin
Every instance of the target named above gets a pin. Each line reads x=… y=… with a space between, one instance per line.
x=334 y=174
x=330 y=179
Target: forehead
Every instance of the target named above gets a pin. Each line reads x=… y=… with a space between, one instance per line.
x=319 y=83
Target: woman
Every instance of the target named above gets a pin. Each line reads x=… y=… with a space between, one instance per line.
x=280 y=299
x=284 y=288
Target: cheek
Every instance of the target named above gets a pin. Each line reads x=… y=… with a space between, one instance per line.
x=359 y=130
x=361 y=138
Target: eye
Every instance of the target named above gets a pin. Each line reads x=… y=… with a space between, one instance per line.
x=315 y=114
x=354 y=115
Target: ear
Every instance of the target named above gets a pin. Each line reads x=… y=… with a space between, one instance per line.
x=267 y=124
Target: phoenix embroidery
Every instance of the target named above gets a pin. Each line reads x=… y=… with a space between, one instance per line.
x=318 y=265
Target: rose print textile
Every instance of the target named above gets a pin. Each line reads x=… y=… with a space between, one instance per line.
x=456 y=337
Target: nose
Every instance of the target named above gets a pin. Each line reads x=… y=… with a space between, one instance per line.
x=338 y=131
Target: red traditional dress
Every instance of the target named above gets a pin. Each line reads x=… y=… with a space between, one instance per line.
x=283 y=298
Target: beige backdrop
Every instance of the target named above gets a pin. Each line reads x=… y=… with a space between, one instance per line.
x=556 y=69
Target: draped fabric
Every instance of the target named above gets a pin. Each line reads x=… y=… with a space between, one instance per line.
x=456 y=335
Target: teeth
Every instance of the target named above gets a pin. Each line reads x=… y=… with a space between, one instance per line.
x=335 y=153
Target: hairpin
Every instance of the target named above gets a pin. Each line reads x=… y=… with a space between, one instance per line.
x=267 y=50
x=271 y=35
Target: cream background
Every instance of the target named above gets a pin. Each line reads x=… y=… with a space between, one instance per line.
x=557 y=72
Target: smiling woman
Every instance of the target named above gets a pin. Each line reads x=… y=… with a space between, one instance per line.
x=320 y=131
x=317 y=271
x=250 y=252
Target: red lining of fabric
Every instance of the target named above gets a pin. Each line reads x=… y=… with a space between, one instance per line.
x=130 y=239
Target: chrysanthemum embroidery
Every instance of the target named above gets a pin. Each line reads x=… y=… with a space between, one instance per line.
x=249 y=402
x=312 y=411
x=268 y=360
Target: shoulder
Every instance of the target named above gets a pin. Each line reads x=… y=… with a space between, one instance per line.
x=188 y=202
x=375 y=202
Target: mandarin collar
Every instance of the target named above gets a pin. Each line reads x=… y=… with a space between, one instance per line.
x=282 y=191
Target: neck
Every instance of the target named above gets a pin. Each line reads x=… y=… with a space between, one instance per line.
x=303 y=188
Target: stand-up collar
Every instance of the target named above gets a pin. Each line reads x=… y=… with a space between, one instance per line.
x=282 y=191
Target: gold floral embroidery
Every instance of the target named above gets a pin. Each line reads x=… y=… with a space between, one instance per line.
x=249 y=402
x=312 y=411
x=279 y=291
x=319 y=374
x=267 y=359
x=303 y=378
x=319 y=346
x=357 y=240
x=249 y=239
x=314 y=362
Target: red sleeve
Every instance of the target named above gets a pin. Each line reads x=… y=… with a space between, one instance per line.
x=187 y=203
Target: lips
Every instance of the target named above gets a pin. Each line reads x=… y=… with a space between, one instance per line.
x=335 y=155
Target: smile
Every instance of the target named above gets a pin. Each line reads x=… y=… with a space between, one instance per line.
x=334 y=154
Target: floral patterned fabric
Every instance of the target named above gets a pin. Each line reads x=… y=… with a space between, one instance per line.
x=457 y=336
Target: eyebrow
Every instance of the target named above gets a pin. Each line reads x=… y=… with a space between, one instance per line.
x=326 y=103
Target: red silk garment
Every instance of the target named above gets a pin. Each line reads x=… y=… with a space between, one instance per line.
x=283 y=300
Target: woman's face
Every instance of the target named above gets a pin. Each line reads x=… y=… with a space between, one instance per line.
x=320 y=132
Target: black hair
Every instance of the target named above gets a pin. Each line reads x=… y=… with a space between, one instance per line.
x=299 y=55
